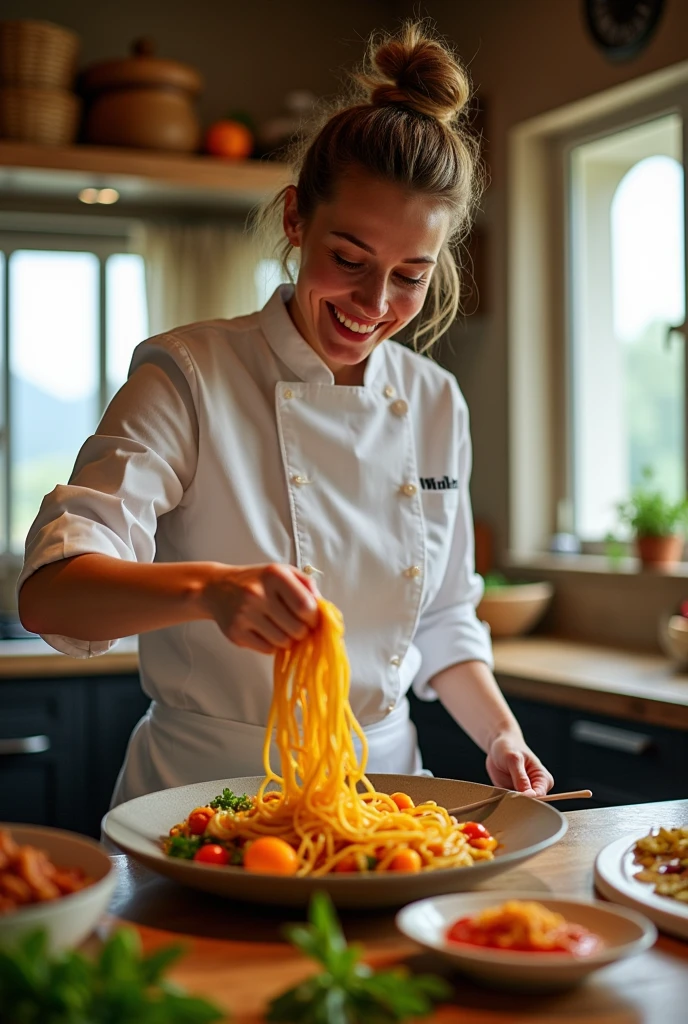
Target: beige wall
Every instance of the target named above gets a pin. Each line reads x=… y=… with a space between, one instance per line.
x=526 y=57
x=250 y=52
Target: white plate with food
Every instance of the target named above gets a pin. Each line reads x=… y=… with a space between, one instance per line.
x=616 y=871
x=522 y=827
x=525 y=941
x=53 y=880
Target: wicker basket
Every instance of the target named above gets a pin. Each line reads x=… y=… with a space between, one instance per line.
x=49 y=116
x=37 y=53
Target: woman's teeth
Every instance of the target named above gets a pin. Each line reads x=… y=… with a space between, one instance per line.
x=353 y=325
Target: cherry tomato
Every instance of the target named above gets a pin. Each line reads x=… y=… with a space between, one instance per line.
x=270 y=855
x=346 y=864
x=405 y=860
x=212 y=853
x=474 y=830
x=403 y=801
x=198 y=820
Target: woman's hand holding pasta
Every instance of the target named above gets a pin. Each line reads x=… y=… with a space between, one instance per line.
x=512 y=765
x=263 y=607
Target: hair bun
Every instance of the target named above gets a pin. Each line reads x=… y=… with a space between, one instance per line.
x=414 y=70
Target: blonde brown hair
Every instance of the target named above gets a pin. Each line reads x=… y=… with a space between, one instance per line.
x=404 y=122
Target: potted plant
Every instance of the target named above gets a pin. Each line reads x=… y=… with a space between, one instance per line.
x=656 y=522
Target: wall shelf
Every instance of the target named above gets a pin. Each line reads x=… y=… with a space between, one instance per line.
x=142 y=177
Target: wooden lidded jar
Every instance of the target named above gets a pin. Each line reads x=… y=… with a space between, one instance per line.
x=142 y=101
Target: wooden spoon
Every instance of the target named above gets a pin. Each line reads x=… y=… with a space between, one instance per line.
x=576 y=794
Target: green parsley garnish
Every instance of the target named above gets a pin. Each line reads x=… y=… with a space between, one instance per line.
x=348 y=991
x=228 y=801
x=183 y=846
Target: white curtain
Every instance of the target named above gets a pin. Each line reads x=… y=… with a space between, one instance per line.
x=197 y=272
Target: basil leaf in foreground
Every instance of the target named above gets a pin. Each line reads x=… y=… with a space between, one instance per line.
x=120 y=986
x=347 y=991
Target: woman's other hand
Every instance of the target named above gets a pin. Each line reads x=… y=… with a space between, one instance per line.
x=512 y=765
x=263 y=607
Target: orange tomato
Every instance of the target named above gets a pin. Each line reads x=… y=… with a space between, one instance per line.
x=483 y=844
x=403 y=801
x=198 y=820
x=405 y=860
x=270 y=855
x=229 y=139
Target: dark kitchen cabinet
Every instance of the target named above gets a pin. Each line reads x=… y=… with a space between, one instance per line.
x=622 y=762
x=42 y=752
x=62 y=742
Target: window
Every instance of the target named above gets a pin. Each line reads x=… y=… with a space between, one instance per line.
x=596 y=289
x=627 y=294
x=73 y=309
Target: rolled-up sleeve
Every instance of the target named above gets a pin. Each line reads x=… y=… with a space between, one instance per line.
x=135 y=468
x=449 y=631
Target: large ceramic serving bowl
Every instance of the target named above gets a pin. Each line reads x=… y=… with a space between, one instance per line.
x=522 y=825
x=69 y=919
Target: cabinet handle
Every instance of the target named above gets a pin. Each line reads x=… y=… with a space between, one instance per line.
x=25 y=745
x=610 y=738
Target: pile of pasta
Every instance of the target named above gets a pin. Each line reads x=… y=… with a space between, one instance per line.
x=322 y=805
x=27 y=875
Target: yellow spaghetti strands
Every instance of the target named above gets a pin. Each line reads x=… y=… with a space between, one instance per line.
x=322 y=805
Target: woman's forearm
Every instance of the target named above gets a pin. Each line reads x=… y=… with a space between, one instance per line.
x=472 y=697
x=97 y=597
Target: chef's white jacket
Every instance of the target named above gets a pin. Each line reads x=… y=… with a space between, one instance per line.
x=230 y=442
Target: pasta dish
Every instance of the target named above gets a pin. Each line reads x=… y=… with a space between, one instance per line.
x=322 y=814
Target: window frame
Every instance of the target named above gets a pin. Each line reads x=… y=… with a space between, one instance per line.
x=39 y=234
x=676 y=103
x=540 y=314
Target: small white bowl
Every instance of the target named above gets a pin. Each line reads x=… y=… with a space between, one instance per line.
x=625 y=933
x=69 y=919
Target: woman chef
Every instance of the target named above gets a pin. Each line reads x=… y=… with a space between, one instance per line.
x=249 y=464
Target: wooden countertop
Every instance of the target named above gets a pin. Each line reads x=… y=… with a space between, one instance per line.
x=625 y=684
x=237 y=957
x=34 y=658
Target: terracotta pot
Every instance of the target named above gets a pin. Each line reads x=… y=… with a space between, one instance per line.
x=659 y=551
x=143 y=102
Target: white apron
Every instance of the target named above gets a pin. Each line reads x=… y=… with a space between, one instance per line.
x=171 y=748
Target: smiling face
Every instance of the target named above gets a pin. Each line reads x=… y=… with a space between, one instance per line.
x=367 y=257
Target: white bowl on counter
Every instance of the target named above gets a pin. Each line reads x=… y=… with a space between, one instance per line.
x=515 y=608
x=673 y=635
x=69 y=919
x=624 y=933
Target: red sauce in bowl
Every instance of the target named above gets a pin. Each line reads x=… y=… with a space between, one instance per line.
x=570 y=938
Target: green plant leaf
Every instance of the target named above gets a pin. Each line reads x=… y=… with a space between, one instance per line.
x=348 y=991
x=119 y=987
x=155 y=964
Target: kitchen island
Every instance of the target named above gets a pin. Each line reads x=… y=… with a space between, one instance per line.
x=236 y=955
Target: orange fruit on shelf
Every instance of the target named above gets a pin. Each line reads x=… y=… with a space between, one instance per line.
x=229 y=139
